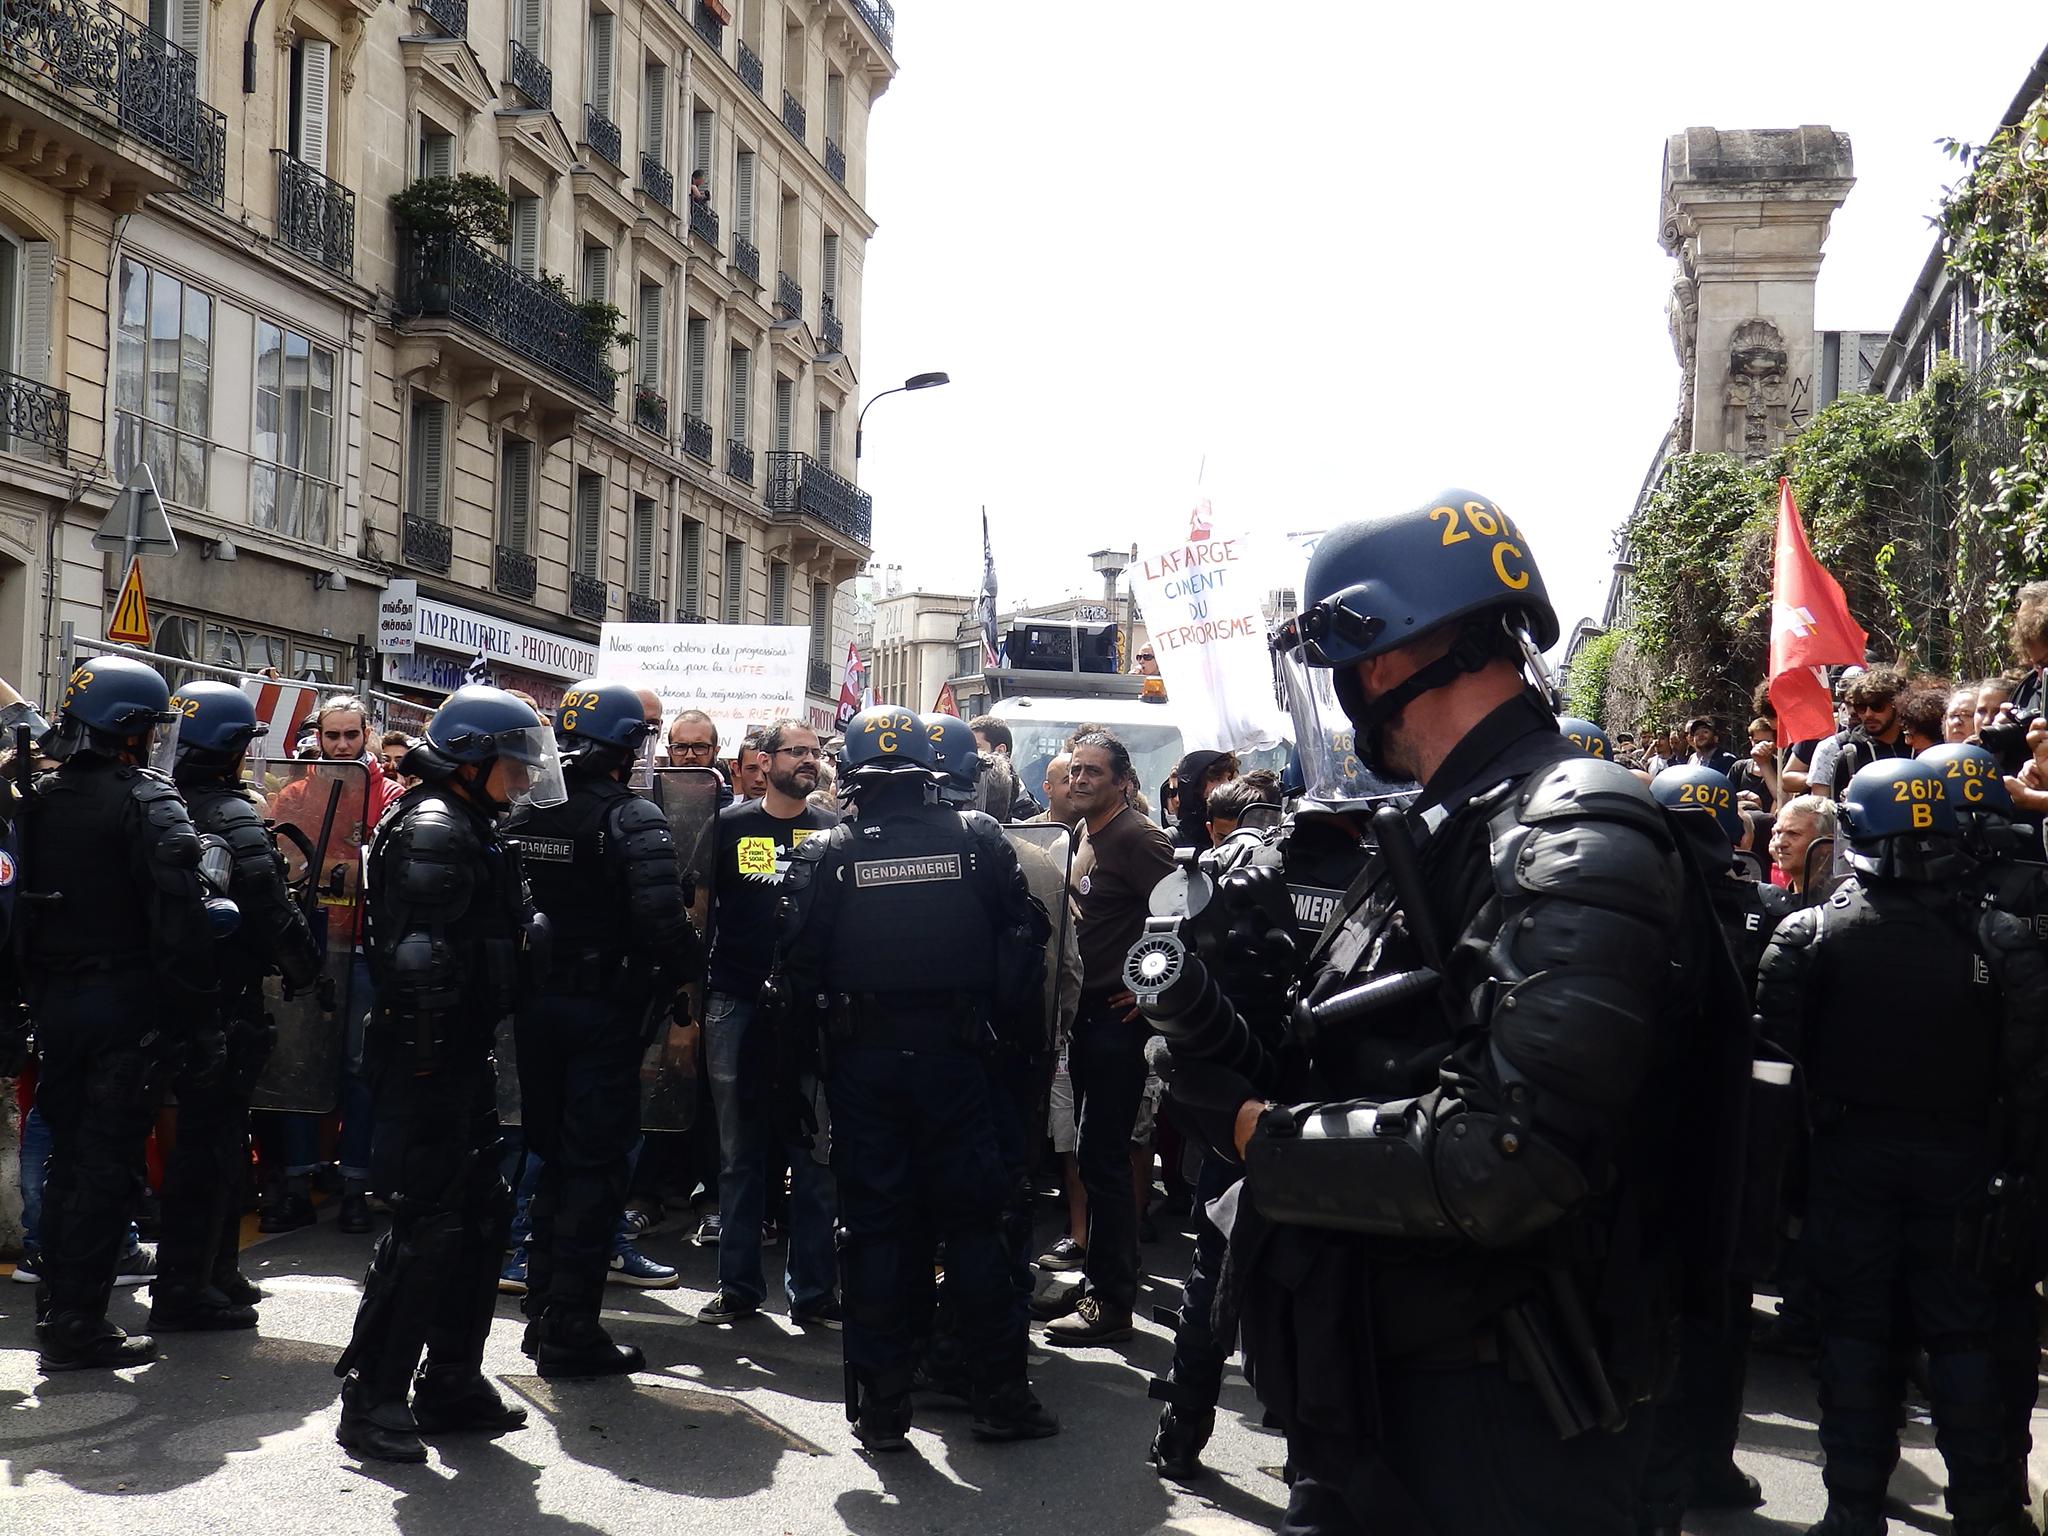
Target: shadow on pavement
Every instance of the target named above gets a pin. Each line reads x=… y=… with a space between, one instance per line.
x=490 y=1488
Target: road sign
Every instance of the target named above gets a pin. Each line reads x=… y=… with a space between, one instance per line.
x=130 y=623
x=137 y=524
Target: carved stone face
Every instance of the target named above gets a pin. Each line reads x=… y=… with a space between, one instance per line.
x=1757 y=366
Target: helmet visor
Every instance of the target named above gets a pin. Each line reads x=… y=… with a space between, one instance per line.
x=531 y=767
x=1332 y=633
x=1331 y=769
x=163 y=752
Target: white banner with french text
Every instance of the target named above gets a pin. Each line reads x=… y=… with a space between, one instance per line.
x=742 y=675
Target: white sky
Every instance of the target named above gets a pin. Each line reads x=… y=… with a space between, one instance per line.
x=1349 y=253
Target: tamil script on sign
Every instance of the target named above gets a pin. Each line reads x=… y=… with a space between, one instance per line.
x=742 y=675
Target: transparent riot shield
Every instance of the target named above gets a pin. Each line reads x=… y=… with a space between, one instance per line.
x=669 y=1074
x=319 y=814
x=1045 y=851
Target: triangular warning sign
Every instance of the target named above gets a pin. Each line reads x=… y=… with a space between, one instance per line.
x=130 y=623
x=137 y=522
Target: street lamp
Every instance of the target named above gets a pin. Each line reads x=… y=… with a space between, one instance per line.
x=915 y=381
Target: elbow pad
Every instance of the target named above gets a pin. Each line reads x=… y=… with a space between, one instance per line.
x=423 y=976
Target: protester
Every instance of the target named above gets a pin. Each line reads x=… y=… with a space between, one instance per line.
x=1959 y=715
x=749 y=769
x=1878 y=732
x=1803 y=844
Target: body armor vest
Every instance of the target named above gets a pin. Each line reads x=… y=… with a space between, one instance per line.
x=565 y=851
x=914 y=909
x=78 y=842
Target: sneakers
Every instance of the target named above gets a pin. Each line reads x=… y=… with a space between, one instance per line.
x=1012 y=1412
x=136 y=1267
x=26 y=1267
x=1063 y=1256
x=824 y=1313
x=632 y=1267
x=287 y=1214
x=884 y=1424
x=1090 y=1323
x=728 y=1307
x=707 y=1231
x=512 y=1278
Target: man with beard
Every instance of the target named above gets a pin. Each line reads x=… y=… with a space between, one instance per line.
x=755 y=838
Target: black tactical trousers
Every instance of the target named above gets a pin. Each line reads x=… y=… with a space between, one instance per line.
x=208 y=1169
x=1883 y=1215
x=1700 y=1418
x=97 y=1091
x=433 y=1277
x=579 y=1100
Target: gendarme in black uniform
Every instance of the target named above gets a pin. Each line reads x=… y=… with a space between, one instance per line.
x=603 y=871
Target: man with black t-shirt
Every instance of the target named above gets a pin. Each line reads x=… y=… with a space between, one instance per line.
x=754 y=842
x=1879 y=732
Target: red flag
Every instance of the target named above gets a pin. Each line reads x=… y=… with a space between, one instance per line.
x=947 y=704
x=1810 y=627
x=850 y=684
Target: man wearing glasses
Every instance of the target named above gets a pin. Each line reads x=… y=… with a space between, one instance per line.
x=754 y=842
x=1878 y=732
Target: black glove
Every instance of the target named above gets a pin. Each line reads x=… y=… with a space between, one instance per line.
x=14 y=1034
x=206 y=1057
x=1206 y=1096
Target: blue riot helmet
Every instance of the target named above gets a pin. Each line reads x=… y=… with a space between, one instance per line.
x=216 y=723
x=882 y=743
x=1902 y=824
x=1704 y=802
x=481 y=726
x=1976 y=783
x=602 y=723
x=1378 y=583
x=1586 y=736
x=956 y=757
x=111 y=704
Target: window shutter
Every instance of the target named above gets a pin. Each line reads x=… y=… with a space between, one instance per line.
x=735 y=594
x=526 y=234
x=742 y=366
x=191 y=30
x=700 y=339
x=643 y=545
x=826 y=421
x=704 y=129
x=430 y=459
x=785 y=410
x=778 y=592
x=34 y=348
x=590 y=525
x=597 y=272
x=743 y=195
x=828 y=277
x=601 y=29
x=693 y=565
x=518 y=493
x=821 y=621
x=437 y=155
x=529 y=15
x=835 y=109
x=316 y=59
x=650 y=335
x=656 y=127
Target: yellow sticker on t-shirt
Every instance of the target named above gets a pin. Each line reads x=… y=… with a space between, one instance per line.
x=798 y=834
x=757 y=856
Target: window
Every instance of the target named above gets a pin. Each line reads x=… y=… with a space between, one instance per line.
x=828 y=269
x=735 y=593
x=515 y=493
x=743 y=195
x=650 y=336
x=312 y=66
x=427 y=464
x=828 y=419
x=528 y=25
x=588 y=549
x=654 y=112
x=25 y=289
x=184 y=23
x=741 y=367
x=602 y=29
x=691 y=597
x=646 y=539
x=291 y=456
x=437 y=151
x=969 y=664
x=697 y=366
x=778 y=592
x=790 y=233
x=163 y=381
x=821 y=621
x=525 y=252
x=835 y=107
x=597 y=273
x=703 y=139
x=785 y=412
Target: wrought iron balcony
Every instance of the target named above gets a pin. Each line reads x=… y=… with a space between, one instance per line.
x=446 y=274
x=835 y=162
x=697 y=438
x=642 y=610
x=789 y=296
x=709 y=27
x=530 y=78
x=739 y=461
x=818 y=678
x=657 y=181
x=34 y=414
x=601 y=133
x=831 y=333
x=586 y=597
x=880 y=16
x=316 y=215
x=750 y=70
x=704 y=223
x=210 y=179
x=798 y=484
x=793 y=117
x=746 y=259
x=95 y=53
x=650 y=410
x=451 y=16
x=425 y=545
x=516 y=573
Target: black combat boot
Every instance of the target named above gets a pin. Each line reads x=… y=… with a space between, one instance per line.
x=383 y=1431
x=1177 y=1448
x=884 y=1423
x=575 y=1344
x=450 y=1398
x=1012 y=1411
x=186 y=1306
x=1849 y=1520
x=84 y=1341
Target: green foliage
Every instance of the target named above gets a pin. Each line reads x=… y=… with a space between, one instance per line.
x=1587 y=695
x=468 y=204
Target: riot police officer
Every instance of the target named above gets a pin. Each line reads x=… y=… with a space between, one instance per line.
x=119 y=962
x=604 y=874
x=914 y=926
x=197 y=1284
x=1495 y=1066
x=1586 y=736
x=451 y=944
x=1916 y=1016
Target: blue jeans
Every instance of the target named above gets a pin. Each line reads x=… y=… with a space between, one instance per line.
x=35 y=1157
x=746 y=1143
x=522 y=1167
x=299 y=1135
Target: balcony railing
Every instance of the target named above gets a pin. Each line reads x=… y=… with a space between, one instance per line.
x=793 y=117
x=316 y=215
x=709 y=27
x=642 y=610
x=586 y=596
x=835 y=161
x=94 y=52
x=739 y=461
x=451 y=16
x=442 y=273
x=516 y=573
x=697 y=438
x=657 y=181
x=34 y=413
x=210 y=178
x=704 y=223
x=818 y=678
x=880 y=16
x=530 y=78
x=425 y=545
x=750 y=69
x=601 y=133
x=650 y=410
x=797 y=483
x=831 y=333
x=789 y=296
x=746 y=259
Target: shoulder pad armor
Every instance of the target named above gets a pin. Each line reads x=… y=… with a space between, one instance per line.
x=174 y=841
x=1798 y=929
x=1626 y=862
x=1579 y=787
x=1999 y=930
x=432 y=860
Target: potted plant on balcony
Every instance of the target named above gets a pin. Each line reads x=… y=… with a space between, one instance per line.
x=468 y=206
x=650 y=405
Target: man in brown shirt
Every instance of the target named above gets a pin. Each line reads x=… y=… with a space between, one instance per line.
x=1121 y=857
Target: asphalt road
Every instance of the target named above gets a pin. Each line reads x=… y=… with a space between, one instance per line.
x=734 y=1429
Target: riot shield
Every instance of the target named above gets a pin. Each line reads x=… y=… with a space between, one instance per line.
x=319 y=814
x=669 y=1074
x=1045 y=851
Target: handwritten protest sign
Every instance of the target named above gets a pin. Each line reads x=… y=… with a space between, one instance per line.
x=742 y=675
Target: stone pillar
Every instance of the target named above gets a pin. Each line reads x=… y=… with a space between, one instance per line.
x=1745 y=212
